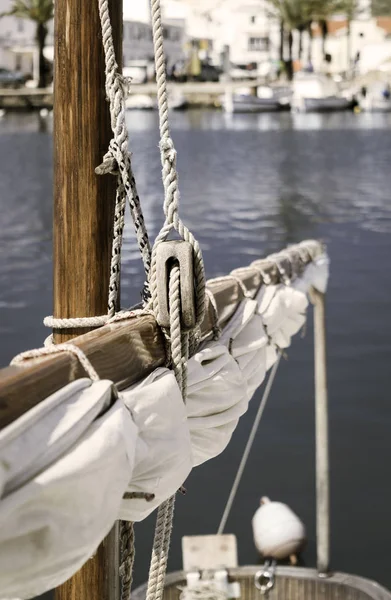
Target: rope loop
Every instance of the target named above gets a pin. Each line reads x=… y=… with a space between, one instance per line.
x=58 y=349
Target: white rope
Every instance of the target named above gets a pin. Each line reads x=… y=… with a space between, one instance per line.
x=160 y=549
x=94 y=321
x=117 y=159
x=179 y=341
x=179 y=347
x=248 y=447
x=58 y=349
x=170 y=176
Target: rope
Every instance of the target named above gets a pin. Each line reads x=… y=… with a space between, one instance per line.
x=117 y=160
x=179 y=346
x=161 y=545
x=248 y=447
x=127 y=558
x=179 y=341
x=93 y=321
x=170 y=177
x=52 y=349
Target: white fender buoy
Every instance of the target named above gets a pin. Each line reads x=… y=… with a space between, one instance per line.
x=278 y=531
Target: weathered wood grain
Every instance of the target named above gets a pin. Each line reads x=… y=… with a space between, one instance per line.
x=83 y=218
x=83 y=201
x=123 y=352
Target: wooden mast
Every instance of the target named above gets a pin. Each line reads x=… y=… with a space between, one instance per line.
x=83 y=211
x=83 y=201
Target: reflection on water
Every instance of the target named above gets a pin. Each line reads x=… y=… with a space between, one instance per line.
x=249 y=185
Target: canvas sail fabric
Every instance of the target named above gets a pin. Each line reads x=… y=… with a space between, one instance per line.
x=66 y=465
x=53 y=519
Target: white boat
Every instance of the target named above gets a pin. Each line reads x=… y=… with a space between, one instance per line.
x=140 y=102
x=244 y=102
x=377 y=98
x=317 y=93
x=178 y=101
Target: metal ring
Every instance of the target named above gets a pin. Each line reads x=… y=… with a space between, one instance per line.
x=264 y=581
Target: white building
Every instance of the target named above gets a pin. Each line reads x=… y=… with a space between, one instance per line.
x=136 y=10
x=243 y=25
x=365 y=47
x=246 y=29
x=138 y=44
x=18 y=49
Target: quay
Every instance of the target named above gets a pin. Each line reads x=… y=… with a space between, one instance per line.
x=195 y=92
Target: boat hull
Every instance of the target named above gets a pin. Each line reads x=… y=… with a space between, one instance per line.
x=252 y=104
x=376 y=105
x=331 y=104
x=291 y=583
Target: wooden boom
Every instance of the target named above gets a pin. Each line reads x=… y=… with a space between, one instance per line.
x=125 y=351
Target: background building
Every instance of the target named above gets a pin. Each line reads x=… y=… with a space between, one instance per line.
x=18 y=49
x=203 y=29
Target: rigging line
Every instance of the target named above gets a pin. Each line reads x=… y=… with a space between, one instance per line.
x=248 y=447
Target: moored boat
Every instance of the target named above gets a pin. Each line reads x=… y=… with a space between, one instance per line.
x=317 y=93
x=140 y=102
x=242 y=101
x=375 y=98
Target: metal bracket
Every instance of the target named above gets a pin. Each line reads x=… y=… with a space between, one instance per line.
x=168 y=254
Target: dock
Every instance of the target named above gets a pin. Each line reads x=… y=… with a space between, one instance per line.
x=198 y=93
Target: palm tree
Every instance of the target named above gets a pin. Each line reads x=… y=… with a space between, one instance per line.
x=293 y=15
x=321 y=10
x=41 y=12
x=381 y=8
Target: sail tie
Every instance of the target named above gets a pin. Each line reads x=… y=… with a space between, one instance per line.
x=58 y=349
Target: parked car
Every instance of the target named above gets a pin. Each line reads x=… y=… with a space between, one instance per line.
x=209 y=73
x=13 y=79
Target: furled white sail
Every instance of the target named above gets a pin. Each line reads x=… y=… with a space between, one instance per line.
x=72 y=465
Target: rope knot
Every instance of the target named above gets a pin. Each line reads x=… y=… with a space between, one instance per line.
x=112 y=159
x=124 y=83
x=168 y=148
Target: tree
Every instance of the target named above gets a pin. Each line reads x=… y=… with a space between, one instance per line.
x=41 y=12
x=292 y=15
x=320 y=11
x=381 y=8
x=351 y=9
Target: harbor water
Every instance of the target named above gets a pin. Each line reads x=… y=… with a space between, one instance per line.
x=250 y=185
